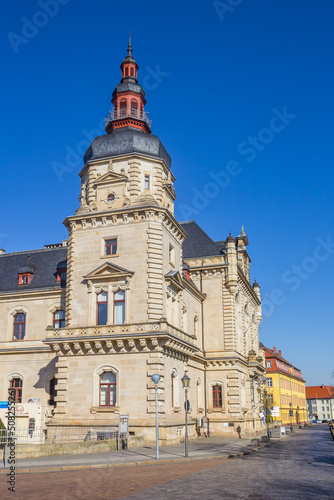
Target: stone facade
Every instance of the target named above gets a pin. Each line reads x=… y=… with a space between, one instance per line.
x=179 y=312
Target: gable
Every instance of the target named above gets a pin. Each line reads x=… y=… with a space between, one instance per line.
x=108 y=271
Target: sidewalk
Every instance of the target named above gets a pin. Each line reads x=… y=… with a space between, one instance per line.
x=202 y=449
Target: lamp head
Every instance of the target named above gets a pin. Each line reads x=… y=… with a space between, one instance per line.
x=185 y=381
x=155 y=378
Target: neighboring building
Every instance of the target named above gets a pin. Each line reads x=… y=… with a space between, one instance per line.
x=320 y=402
x=286 y=388
x=84 y=324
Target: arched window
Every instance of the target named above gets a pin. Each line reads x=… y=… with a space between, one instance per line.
x=52 y=391
x=19 y=326
x=107 y=389
x=132 y=72
x=102 y=308
x=59 y=319
x=122 y=106
x=119 y=307
x=16 y=385
x=126 y=71
x=134 y=109
x=217 y=396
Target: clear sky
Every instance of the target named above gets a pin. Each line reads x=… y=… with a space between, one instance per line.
x=241 y=95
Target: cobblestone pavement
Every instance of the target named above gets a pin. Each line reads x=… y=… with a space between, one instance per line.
x=299 y=467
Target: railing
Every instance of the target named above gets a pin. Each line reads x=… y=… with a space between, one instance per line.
x=55 y=434
x=117 y=114
x=119 y=330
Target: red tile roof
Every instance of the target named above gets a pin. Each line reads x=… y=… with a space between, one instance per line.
x=279 y=364
x=320 y=392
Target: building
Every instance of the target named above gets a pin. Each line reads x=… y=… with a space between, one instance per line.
x=320 y=402
x=285 y=388
x=132 y=292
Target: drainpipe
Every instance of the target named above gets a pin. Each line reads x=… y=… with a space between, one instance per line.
x=203 y=348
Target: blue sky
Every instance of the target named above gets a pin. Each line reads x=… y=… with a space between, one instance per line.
x=241 y=95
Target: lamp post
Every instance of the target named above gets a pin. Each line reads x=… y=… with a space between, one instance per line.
x=185 y=384
x=155 y=379
x=291 y=415
x=297 y=415
x=266 y=411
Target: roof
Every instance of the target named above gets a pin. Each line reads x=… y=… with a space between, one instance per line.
x=198 y=243
x=319 y=392
x=124 y=141
x=280 y=364
x=43 y=266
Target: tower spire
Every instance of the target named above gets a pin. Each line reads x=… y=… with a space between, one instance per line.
x=130 y=46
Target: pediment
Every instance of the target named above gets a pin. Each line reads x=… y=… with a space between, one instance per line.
x=108 y=271
x=175 y=279
x=110 y=178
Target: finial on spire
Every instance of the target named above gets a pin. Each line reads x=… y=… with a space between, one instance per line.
x=129 y=46
x=242 y=231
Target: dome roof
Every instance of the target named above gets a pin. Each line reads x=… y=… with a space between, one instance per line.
x=125 y=141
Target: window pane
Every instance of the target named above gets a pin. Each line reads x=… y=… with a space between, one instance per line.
x=102 y=313
x=106 y=377
x=102 y=297
x=119 y=313
x=104 y=396
x=120 y=295
x=112 y=395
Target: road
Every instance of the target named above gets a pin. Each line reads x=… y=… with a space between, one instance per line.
x=297 y=467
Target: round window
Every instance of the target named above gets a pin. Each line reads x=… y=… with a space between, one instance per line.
x=111 y=197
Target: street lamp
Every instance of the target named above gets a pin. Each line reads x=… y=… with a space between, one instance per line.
x=155 y=379
x=291 y=415
x=185 y=384
x=297 y=415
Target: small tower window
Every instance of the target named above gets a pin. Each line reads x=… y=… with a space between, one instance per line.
x=147 y=182
x=111 y=198
x=126 y=71
x=132 y=72
x=59 y=319
x=134 y=109
x=123 y=108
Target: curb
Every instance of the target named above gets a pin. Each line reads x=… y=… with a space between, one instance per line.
x=69 y=468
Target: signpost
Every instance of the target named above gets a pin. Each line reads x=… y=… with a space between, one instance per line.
x=123 y=430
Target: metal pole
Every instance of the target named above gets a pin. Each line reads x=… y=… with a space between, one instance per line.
x=186 y=443
x=6 y=453
x=156 y=422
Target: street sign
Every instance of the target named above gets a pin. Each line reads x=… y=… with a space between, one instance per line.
x=3 y=404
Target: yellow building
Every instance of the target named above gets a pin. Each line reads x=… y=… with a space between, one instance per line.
x=285 y=388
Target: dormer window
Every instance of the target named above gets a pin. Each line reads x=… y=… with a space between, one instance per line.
x=24 y=279
x=62 y=275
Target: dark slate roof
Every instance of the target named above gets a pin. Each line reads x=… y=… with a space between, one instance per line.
x=198 y=243
x=45 y=262
x=124 y=87
x=126 y=141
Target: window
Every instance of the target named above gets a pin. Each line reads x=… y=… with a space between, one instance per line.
x=171 y=254
x=119 y=307
x=111 y=197
x=102 y=308
x=16 y=385
x=270 y=399
x=268 y=364
x=134 y=109
x=217 y=396
x=323 y=408
x=19 y=326
x=111 y=247
x=59 y=319
x=269 y=382
x=290 y=413
x=147 y=182
x=108 y=389
x=52 y=391
x=24 y=279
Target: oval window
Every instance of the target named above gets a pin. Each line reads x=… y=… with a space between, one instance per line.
x=111 y=197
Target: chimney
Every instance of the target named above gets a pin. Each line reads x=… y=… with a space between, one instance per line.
x=280 y=352
x=274 y=349
x=2 y=251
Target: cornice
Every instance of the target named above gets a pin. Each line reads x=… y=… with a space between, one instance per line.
x=122 y=215
x=26 y=293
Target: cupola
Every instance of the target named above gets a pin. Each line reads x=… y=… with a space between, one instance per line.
x=128 y=100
